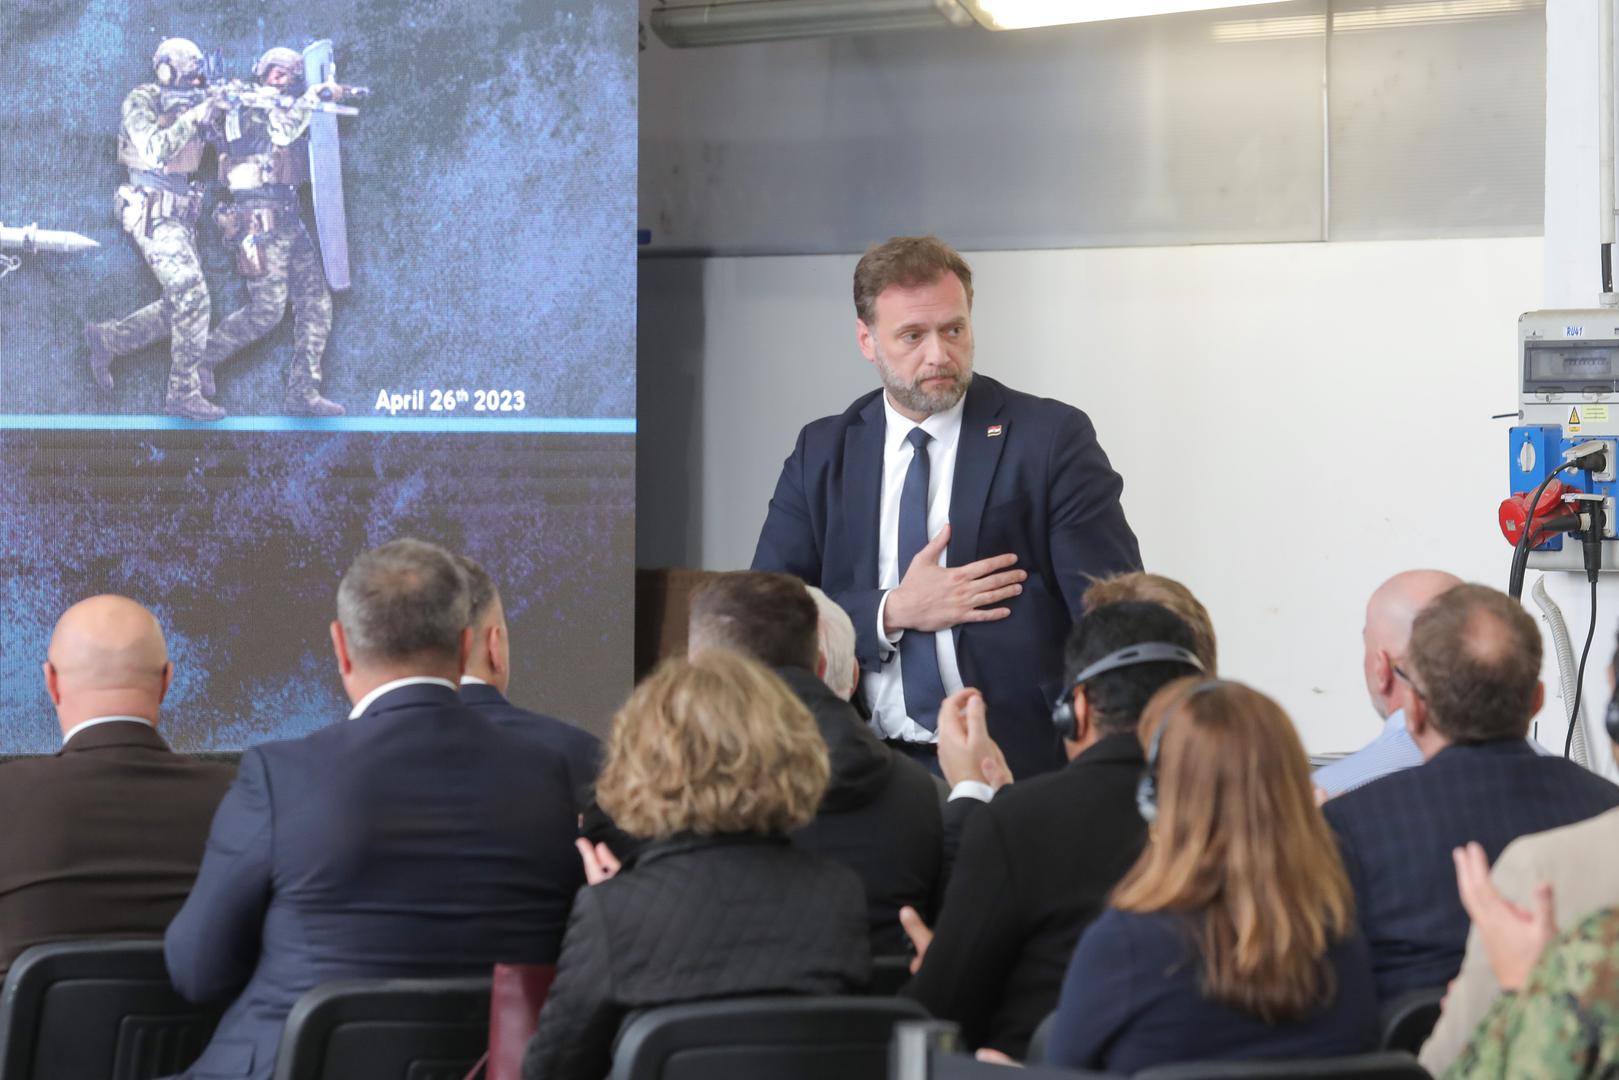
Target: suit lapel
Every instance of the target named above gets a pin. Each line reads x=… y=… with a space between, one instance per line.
x=978 y=452
x=862 y=487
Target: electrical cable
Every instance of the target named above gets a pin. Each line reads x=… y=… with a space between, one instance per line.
x=1579 y=679
x=1520 y=554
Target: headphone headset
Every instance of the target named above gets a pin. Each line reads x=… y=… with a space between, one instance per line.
x=1148 y=652
x=1611 y=719
x=1147 y=787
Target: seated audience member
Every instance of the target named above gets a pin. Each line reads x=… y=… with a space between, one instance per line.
x=103 y=838
x=1386 y=637
x=880 y=814
x=1037 y=863
x=1574 y=860
x=1559 y=1017
x=1166 y=592
x=716 y=761
x=417 y=838
x=489 y=672
x=1471 y=688
x=837 y=641
x=1233 y=936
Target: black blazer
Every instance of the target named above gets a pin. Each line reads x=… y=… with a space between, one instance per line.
x=1035 y=868
x=1030 y=479
x=1396 y=835
x=880 y=815
x=578 y=747
x=103 y=839
x=697 y=918
x=418 y=839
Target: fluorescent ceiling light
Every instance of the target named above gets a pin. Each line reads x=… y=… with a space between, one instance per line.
x=730 y=22
x=1025 y=14
x=1381 y=17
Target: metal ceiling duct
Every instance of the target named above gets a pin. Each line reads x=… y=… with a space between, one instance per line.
x=732 y=22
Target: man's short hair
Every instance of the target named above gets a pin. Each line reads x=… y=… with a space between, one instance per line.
x=481 y=591
x=906 y=261
x=767 y=616
x=837 y=642
x=1475 y=657
x=1157 y=589
x=405 y=600
x=1117 y=697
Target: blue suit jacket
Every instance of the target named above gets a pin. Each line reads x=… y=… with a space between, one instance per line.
x=1030 y=479
x=579 y=748
x=1396 y=835
x=416 y=840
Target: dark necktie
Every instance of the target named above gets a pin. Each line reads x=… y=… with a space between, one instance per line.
x=918 y=649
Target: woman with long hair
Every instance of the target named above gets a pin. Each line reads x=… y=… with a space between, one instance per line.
x=1233 y=936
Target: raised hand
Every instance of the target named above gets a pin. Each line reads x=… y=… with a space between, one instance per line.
x=1513 y=937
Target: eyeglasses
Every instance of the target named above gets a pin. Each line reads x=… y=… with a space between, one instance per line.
x=1409 y=681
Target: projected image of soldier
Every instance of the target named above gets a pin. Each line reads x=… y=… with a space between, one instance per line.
x=262 y=161
x=161 y=142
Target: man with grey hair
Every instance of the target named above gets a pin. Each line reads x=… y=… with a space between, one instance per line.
x=836 y=634
x=416 y=839
x=489 y=672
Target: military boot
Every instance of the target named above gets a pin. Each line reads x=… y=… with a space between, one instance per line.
x=192 y=406
x=99 y=337
x=306 y=401
x=205 y=379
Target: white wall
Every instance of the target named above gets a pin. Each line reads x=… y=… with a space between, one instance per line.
x=1294 y=422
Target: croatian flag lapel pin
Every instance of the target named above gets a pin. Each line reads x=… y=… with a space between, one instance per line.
x=995 y=430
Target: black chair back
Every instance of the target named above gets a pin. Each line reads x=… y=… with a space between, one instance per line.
x=386 y=1029
x=783 y=1038
x=889 y=974
x=97 y=1009
x=1409 y=1019
x=1380 y=1066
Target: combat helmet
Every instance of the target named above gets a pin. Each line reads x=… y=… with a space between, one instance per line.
x=281 y=57
x=178 y=62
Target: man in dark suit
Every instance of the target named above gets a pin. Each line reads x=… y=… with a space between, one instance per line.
x=1472 y=687
x=880 y=812
x=489 y=672
x=955 y=519
x=415 y=839
x=102 y=839
x=1038 y=861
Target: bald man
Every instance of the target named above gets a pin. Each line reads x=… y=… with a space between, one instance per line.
x=1387 y=634
x=104 y=838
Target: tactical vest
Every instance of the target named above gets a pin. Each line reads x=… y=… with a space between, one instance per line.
x=184 y=161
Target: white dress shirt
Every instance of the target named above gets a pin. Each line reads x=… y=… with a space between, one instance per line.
x=388 y=687
x=885 y=690
x=98 y=720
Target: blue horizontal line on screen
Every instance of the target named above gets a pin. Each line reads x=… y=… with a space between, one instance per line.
x=559 y=425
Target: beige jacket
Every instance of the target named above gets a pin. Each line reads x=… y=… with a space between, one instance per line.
x=1578 y=862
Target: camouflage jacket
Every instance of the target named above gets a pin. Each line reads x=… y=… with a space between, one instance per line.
x=149 y=136
x=1565 y=1022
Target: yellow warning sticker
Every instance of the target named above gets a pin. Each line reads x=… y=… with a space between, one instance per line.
x=1574 y=417
x=1596 y=414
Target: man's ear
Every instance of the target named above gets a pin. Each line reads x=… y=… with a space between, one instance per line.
x=466 y=652
x=494 y=639
x=866 y=338
x=340 y=648
x=1383 y=672
x=168 y=680
x=1416 y=715
x=1082 y=715
x=1540 y=698
x=52 y=682
x=820 y=665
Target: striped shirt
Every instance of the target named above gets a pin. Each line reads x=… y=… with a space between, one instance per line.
x=1390 y=752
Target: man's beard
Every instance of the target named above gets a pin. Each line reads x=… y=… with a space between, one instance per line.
x=916 y=398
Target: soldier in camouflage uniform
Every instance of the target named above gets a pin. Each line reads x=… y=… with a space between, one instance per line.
x=161 y=142
x=262 y=162
x=1564 y=1023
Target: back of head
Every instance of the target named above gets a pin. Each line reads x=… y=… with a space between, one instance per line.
x=404 y=603
x=108 y=657
x=906 y=261
x=1167 y=592
x=1117 y=697
x=837 y=642
x=767 y=616
x=709 y=745
x=1239 y=844
x=1475 y=656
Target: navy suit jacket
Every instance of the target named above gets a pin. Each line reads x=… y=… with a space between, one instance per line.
x=1030 y=479
x=416 y=840
x=579 y=748
x=1396 y=835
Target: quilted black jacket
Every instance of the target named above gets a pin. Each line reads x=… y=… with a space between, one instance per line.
x=695 y=918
